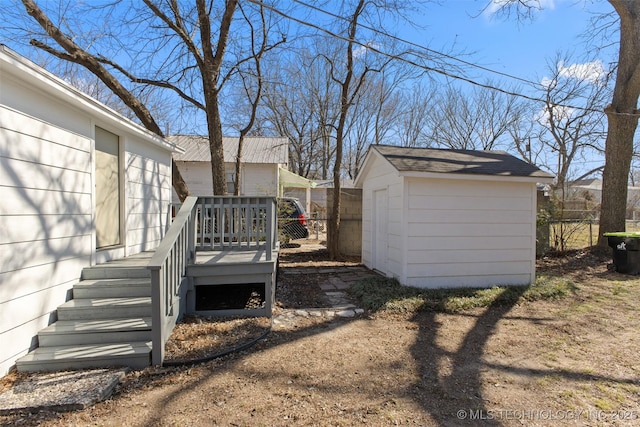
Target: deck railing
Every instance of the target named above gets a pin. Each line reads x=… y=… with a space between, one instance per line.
x=219 y=223
x=168 y=268
x=236 y=223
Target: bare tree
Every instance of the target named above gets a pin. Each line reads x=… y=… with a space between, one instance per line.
x=168 y=45
x=475 y=120
x=412 y=124
x=568 y=132
x=74 y=53
x=622 y=113
x=376 y=110
x=350 y=84
x=301 y=104
x=251 y=78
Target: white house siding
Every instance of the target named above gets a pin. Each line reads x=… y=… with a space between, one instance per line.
x=47 y=186
x=259 y=179
x=382 y=176
x=197 y=175
x=46 y=233
x=148 y=194
x=469 y=233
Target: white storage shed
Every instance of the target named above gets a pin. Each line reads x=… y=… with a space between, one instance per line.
x=437 y=218
x=79 y=183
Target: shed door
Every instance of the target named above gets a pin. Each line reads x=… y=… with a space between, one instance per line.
x=380 y=220
x=107 y=189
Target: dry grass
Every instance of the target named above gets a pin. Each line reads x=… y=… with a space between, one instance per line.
x=580 y=235
x=568 y=361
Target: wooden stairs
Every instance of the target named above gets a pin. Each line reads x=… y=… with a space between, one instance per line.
x=107 y=323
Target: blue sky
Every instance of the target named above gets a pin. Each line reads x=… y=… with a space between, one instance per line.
x=504 y=45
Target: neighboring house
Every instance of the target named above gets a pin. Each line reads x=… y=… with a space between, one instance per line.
x=585 y=196
x=449 y=218
x=80 y=184
x=264 y=166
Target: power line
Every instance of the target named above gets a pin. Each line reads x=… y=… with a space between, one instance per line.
x=416 y=45
x=424 y=67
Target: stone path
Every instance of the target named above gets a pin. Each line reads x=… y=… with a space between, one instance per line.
x=338 y=281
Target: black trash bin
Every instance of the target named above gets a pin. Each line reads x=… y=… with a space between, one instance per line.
x=626 y=251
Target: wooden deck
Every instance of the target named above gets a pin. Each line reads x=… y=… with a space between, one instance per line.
x=237 y=257
x=239 y=269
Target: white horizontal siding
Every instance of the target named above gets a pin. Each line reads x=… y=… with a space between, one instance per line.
x=33 y=101
x=46 y=235
x=28 y=228
x=259 y=179
x=469 y=233
x=380 y=175
x=31 y=280
x=465 y=256
x=197 y=175
x=479 y=228
x=46 y=184
x=19 y=345
x=464 y=281
x=456 y=242
x=148 y=194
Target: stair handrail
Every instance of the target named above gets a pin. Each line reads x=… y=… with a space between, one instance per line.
x=227 y=223
x=168 y=267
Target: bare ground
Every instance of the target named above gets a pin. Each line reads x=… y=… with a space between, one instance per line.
x=573 y=361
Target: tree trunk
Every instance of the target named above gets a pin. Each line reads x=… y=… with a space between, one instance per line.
x=622 y=117
x=238 y=180
x=178 y=183
x=215 y=147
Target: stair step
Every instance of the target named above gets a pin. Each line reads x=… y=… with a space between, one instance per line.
x=76 y=332
x=114 y=270
x=106 y=288
x=45 y=359
x=105 y=308
x=231 y=269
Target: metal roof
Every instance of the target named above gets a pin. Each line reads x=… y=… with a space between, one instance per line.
x=254 y=150
x=433 y=160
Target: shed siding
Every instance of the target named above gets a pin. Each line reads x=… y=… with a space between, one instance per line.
x=383 y=176
x=469 y=233
x=46 y=235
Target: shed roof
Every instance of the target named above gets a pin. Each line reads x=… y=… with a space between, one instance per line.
x=432 y=160
x=254 y=150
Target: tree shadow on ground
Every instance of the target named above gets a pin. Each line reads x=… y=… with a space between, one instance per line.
x=450 y=397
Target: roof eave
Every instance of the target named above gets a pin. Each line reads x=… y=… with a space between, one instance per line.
x=477 y=177
x=57 y=87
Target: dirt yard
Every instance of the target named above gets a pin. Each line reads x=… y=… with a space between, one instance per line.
x=573 y=361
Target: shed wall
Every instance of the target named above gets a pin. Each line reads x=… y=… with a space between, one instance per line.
x=469 y=233
x=382 y=176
